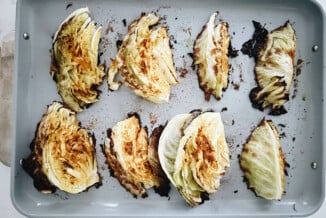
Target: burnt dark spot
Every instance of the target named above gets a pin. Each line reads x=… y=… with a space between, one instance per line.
x=32 y=165
x=209 y=110
x=286 y=173
x=163 y=190
x=191 y=55
x=281 y=125
x=145 y=195
x=224 y=109
x=298 y=68
x=232 y=52
x=258 y=41
x=98 y=59
x=124 y=21
x=235 y=191
x=109 y=132
x=98 y=184
x=135 y=114
x=256 y=102
x=299 y=61
x=118 y=43
x=204 y=196
x=111 y=171
x=298 y=71
x=282 y=135
x=278 y=111
x=69 y=5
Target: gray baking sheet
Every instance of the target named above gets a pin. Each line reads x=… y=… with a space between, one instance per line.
x=302 y=128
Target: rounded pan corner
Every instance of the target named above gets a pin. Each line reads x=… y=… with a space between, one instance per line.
x=15 y=195
x=17 y=205
x=17 y=198
x=317 y=204
x=318 y=6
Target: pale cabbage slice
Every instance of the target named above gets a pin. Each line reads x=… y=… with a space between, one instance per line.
x=263 y=162
x=169 y=143
x=74 y=65
x=145 y=61
x=211 y=56
x=194 y=154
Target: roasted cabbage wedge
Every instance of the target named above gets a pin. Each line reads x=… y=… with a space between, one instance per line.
x=62 y=154
x=145 y=61
x=74 y=65
x=263 y=162
x=194 y=154
x=131 y=159
x=274 y=69
x=211 y=57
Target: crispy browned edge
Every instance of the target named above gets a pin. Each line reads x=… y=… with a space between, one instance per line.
x=252 y=48
x=116 y=169
x=54 y=70
x=33 y=165
x=231 y=53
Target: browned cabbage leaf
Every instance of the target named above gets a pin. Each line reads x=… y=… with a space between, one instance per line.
x=194 y=154
x=63 y=154
x=211 y=56
x=274 y=69
x=145 y=61
x=75 y=60
x=132 y=160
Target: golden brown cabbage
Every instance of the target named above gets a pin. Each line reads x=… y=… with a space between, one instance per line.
x=145 y=61
x=75 y=60
x=194 y=154
x=211 y=56
x=63 y=154
x=129 y=157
